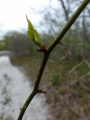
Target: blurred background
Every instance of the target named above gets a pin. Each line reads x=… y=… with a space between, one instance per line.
x=67 y=74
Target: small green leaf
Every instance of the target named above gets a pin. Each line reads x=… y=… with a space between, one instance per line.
x=32 y=33
x=37 y=39
x=30 y=30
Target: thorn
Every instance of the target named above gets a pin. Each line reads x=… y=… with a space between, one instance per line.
x=41 y=91
x=42 y=49
x=60 y=43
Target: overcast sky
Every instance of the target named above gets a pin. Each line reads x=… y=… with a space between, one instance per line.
x=12 y=13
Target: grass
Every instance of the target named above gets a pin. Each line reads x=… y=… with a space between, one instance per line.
x=1 y=118
x=68 y=99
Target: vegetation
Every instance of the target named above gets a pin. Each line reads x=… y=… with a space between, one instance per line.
x=66 y=77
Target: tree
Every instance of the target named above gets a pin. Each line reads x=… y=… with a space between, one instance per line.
x=18 y=43
x=80 y=28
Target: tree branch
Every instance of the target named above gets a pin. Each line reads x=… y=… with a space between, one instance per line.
x=36 y=87
x=46 y=56
x=66 y=11
x=68 y=24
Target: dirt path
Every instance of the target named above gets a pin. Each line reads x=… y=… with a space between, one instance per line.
x=14 y=89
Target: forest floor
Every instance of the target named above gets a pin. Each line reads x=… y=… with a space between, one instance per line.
x=67 y=83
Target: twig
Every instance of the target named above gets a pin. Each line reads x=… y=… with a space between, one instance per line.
x=69 y=24
x=88 y=64
x=47 y=53
x=75 y=67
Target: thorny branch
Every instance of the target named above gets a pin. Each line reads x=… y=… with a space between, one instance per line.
x=46 y=56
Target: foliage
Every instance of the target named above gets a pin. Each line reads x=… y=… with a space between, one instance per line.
x=2 y=46
x=32 y=33
x=1 y=117
x=55 y=79
x=69 y=57
x=18 y=43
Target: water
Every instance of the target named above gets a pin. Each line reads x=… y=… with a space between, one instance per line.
x=14 y=89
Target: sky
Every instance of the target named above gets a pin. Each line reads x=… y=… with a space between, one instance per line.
x=12 y=13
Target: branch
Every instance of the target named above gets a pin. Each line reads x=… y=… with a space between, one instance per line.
x=66 y=11
x=69 y=24
x=46 y=56
x=36 y=87
x=76 y=66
